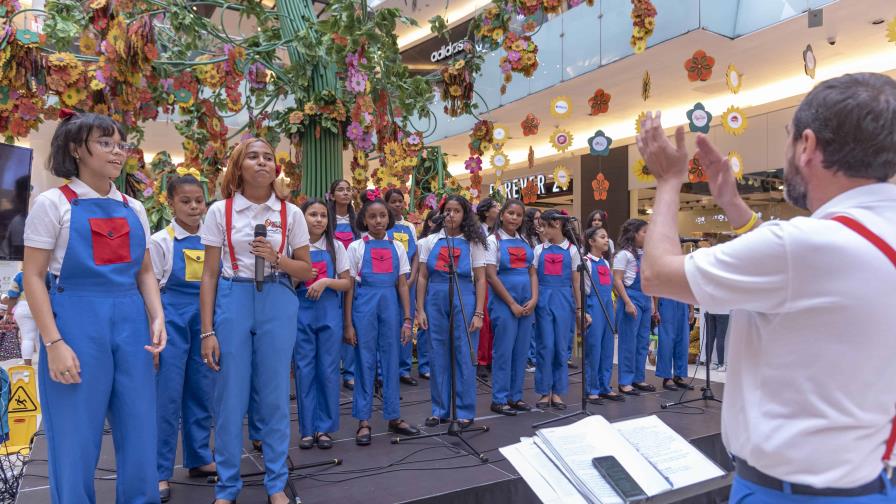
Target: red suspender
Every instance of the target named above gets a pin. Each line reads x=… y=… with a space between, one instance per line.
x=888 y=251
x=70 y=194
x=228 y=223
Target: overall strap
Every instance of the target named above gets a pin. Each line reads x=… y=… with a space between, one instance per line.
x=283 y=226
x=170 y=230
x=71 y=195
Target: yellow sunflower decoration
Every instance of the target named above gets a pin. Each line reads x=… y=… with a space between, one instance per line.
x=499 y=160
x=638 y=120
x=499 y=136
x=736 y=163
x=891 y=31
x=733 y=78
x=642 y=172
x=73 y=95
x=734 y=121
x=561 y=177
x=561 y=140
x=561 y=107
x=392 y=151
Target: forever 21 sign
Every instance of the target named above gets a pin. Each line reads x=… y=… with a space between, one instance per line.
x=544 y=184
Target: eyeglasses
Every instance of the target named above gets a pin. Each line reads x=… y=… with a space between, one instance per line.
x=342 y=189
x=109 y=146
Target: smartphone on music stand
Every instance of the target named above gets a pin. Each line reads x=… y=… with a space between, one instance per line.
x=618 y=478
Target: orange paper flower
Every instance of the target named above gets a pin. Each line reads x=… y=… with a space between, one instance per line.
x=600 y=102
x=699 y=66
x=530 y=192
x=695 y=171
x=601 y=187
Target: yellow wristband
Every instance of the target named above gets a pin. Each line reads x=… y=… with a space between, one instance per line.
x=749 y=225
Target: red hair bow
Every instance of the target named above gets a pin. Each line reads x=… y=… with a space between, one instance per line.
x=564 y=212
x=374 y=194
x=65 y=113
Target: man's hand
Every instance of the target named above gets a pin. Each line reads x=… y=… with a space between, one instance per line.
x=722 y=184
x=666 y=162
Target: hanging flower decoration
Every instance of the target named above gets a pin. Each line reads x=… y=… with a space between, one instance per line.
x=699 y=119
x=643 y=22
x=599 y=102
x=521 y=57
x=473 y=164
x=481 y=138
x=475 y=185
x=601 y=187
x=891 y=31
x=695 y=171
x=561 y=108
x=499 y=136
x=638 y=120
x=734 y=121
x=530 y=192
x=736 y=163
x=642 y=172
x=733 y=79
x=530 y=125
x=562 y=177
x=561 y=139
x=457 y=88
x=645 y=86
x=699 y=66
x=494 y=24
x=27 y=37
x=499 y=160
x=600 y=144
x=552 y=6
x=531 y=158
x=809 y=61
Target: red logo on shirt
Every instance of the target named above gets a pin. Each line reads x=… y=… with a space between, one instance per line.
x=274 y=226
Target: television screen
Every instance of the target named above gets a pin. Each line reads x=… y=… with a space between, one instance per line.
x=15 y=191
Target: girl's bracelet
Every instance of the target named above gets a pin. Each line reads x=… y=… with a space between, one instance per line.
x=206 y=335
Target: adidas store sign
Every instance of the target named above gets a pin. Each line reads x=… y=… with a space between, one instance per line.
x=446 y=51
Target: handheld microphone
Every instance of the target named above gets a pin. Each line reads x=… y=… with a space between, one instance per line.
x=262 y=232
x=438 y=219
x=564 y=218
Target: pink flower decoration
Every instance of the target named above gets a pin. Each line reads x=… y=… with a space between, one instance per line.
x=473 y=164
x=354 y=131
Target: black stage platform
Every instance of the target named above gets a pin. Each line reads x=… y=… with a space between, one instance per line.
x=428 y=471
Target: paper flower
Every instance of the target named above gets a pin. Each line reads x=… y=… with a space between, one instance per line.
x=734 y=121
x=530 y=125
x=645 y=86
x=561 y=177
x=695 y=171
x=699 y=66
x=736 y=163
x=530 y=192
x=891 y=31
x=499 y=160
x=499 y=135
x=642 y=172
x=561 y=139
x=699 y=119
x=27 y=37
x=473 y=164
x=600 y=144
x=733 y=79
x=183 y=96
x=560 y=107
x=639 y=120
x=809 y=61
x=601 y=186
x=599 y=102
x=531 y=158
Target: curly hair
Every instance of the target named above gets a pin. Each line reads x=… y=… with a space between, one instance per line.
x=368 y=199
x=469 y=228
x=626 y=240
x=528 y=228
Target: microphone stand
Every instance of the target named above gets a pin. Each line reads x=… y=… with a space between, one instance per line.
x=583 y=273
x=454 y=428
x=707 y=389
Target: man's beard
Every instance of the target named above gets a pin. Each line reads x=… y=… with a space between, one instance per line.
x=795 y=191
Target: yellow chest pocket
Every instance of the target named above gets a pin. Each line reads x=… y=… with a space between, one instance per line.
x=401 y=238
x=194 y=260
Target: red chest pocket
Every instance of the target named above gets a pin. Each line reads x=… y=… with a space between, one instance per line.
x=442 y=260
x=381 y=259
x=603 y=275
x=345 y=237
x=517 y=257
x=111 y=240
x=553 y=264
x=321 y=268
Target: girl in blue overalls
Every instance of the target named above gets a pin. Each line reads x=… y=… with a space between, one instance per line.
x=244 y=324
x=374 y=323
x=635 y=310
x=320 y=331
x=342 y=220
x=674 y=339
x=183 y=383
x=423 y=334
x=406 y=234
x=512 y=300
x=101 y=322
x=557 y=263
x=599 y=338
x=532 y=232
x=467 y=241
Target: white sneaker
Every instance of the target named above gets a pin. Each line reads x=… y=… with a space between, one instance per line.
x=714 y=367
x=722 y=368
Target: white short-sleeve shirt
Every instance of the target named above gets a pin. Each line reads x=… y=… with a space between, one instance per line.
x=47 y=226
x=588 y=265
x=355 y=254
x=809 y=396
x=161 y=251
x=493 y=254
x=341 y=256
x=425 y=246
x=626 y=263
x=574 y=258
x=245 y=216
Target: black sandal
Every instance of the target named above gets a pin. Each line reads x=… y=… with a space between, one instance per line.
x=363 y=439
x=407 y=430
x=306 y=443
x=558 y=405
x=679 y=381
x=432 y=421
x=644 y=387
x=323 y=440
x=543 y=404
x=613 y=396
x=630 y=391
x=595 y=400
x=464 y=424
x=668 y=385
x=519 y=405
x=503 y=409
